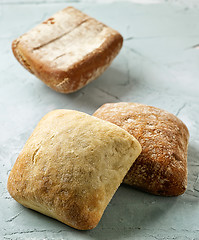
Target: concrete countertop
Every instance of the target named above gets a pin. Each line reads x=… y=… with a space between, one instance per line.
x=158 y=66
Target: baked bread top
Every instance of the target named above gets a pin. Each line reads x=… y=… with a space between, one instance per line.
x=161 y=168
x=71 y=166
x=68 y=50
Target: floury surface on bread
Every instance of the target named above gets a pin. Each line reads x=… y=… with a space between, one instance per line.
x=161 y=168
x=71 y=166
x=68 y=50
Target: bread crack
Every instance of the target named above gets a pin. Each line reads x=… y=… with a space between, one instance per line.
x=59 y=37
x=34 y=155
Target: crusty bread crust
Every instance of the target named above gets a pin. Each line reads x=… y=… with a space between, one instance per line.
x=72 y=49
x=71 y=166
x=161 y=168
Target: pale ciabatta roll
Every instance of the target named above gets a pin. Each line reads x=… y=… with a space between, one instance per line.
x=161 y=168
x=68 y=50
x=71 y=166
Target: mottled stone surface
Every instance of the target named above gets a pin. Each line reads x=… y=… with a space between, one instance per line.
x=158 y=65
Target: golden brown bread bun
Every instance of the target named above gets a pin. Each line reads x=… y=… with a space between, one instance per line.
x=71 y=166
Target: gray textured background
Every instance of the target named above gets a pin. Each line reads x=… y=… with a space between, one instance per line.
x=158 y=65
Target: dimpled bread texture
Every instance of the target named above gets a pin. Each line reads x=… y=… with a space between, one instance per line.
x=161 y=168
x=71 y=166
x=68 y=50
